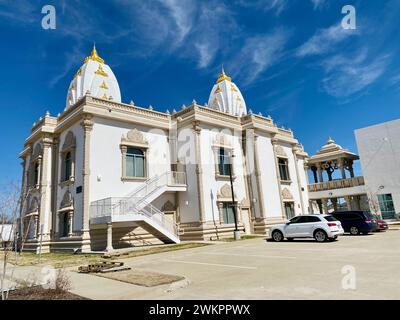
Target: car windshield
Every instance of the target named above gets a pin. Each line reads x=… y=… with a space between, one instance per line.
x=330 y=218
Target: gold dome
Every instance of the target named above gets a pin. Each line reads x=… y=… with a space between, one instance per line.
x=94 y=56
x=223 y=76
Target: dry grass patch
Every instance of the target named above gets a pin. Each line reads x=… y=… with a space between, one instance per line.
x=141 y=277
x=57 y=260
x=64 y=260
x=154 y=250
x=248 y=237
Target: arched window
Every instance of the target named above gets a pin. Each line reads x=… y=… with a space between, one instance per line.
x=67 y=156
x=135 y=163
x=67 y=166
x=36 y=174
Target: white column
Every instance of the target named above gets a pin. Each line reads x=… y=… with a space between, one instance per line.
x=87 y=126
x=109 y=237
x=199 y=171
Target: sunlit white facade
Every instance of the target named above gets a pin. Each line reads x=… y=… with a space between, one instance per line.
x=104 y=174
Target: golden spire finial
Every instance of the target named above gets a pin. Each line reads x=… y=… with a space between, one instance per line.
x=223 y=76
x=94 y=55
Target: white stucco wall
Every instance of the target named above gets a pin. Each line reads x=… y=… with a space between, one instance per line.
x=269 y=179
x=189 y=200
x=303 y=184
x=379 y=150
x=211 y=184
x=77 y=130
x=106 y=157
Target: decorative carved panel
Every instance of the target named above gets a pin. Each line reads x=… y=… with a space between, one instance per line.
x=134 y=136
x=37 y=151
x=280 y=152
x=168 y=206
x=286 y=194
x=34 y=205
x=67 y=201
x=225 y=192
x=69 y=141
x=222 y=140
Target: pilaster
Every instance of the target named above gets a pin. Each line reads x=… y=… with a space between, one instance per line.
x=87 y=125
x=199 y=171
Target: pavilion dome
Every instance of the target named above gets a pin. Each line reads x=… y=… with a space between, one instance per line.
x=225 y=96
x=96 y=77
x=330 y=146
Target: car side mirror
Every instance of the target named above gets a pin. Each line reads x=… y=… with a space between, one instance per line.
x=287 y=223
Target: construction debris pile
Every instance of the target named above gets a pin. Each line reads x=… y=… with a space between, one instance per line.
x=103 y=267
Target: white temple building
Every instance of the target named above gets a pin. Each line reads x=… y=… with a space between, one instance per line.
x=104 y=174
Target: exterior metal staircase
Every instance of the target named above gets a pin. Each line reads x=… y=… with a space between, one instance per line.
x=136 y=207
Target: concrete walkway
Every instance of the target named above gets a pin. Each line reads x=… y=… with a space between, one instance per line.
x=256 y=269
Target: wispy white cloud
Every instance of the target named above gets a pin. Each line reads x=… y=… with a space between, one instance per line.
x=190 y=29
x=21 y=11
x=181 y=13
x=395 y=80
x=318 y=3
x=212 y=34
x=345 y=76
x=324 y=40
x=260 y=53
x=72 y=60
x=268 y=5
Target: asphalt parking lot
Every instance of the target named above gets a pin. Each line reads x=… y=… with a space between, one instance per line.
x=354 y=267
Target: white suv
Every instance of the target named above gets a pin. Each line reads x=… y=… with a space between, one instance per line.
x=321 y=227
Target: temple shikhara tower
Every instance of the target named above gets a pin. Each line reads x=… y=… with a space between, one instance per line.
x=104 y=174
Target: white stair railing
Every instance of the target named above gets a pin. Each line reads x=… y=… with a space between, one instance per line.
x=136 y=201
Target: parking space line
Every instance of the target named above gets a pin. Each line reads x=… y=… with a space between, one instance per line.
x=211 y=264
x=247 y=255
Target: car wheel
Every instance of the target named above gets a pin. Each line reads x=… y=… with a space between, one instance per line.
x=277 y=236
x=290 y=239
x=354 y=231
x=320 y=236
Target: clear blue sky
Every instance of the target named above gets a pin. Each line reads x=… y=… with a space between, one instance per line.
x=291 y=59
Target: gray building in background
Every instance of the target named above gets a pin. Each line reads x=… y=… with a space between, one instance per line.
x=379 y=151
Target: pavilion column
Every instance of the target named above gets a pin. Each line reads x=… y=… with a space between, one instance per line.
x=87 y=125
x=199 y=171
x=325 y=205
x=319 y=203
x=314 y=171
x=357 y=200
x=342 y=168
x=351 y=170
x=329 y=172
x=348 y=202
x=320 y=176
x=334 y=202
